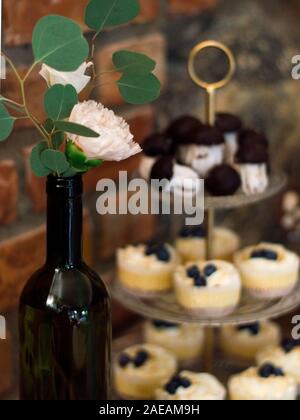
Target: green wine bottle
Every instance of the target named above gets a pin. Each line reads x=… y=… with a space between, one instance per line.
x=65 y=311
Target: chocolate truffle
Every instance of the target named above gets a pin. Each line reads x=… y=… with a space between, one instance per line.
x=157 y=145
x=251 y=137
x=252 y=159
x=223 y=180
x=254 y=153
x=180 y=129
x=207 y=136
x=228 y=123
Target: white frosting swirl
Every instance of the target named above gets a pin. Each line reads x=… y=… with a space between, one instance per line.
x=250 y=386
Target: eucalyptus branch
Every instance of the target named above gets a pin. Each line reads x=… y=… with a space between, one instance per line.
x=29 y=72
x=22 y=118
x=103 y=84
x=103 y=73
x=32 y=118
x=13 y=105
x=11 y=102
x=92 y=58
x=24 y=105
x=13 y=67
x=15 y=108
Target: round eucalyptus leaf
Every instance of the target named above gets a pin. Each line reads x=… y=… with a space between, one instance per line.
x=100 y=14
x=58 y=139
x=59 y=101
x=48 y=125
x=129 y=62
x=38 y=168
x=55 y=160
x=58 y=42
x=69 y=173
x=139 y=89
x=74 y=128
x=6 y=123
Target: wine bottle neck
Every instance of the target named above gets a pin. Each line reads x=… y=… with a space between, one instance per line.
x=64 y=222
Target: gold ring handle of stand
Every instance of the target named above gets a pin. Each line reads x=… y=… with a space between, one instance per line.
x=210 y=89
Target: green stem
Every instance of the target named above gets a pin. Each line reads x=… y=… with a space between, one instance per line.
x=92 y=58
x=24 y=105
x=33 y=119
x=12 y=102
x=103 y=84
x=29 y=71
x=22 y=118
x=103 y=73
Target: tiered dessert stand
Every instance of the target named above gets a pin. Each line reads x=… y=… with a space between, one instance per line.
x=249 y=310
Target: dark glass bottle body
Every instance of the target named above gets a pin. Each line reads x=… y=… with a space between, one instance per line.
x=65 y=313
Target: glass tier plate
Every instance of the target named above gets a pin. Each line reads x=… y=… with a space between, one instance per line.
x=166 y=308
x=277 y=181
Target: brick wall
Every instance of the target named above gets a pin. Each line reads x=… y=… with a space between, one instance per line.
x=264 y=35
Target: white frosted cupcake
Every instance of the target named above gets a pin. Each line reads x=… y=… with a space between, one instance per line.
x=210 y=288
x=286 y=356
x=185 y=341
x=191 y=243
x=141 y=369
x=192 y=386
x=266 y=383
x=245 y=341
x=146 y=270
x=268 y=270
